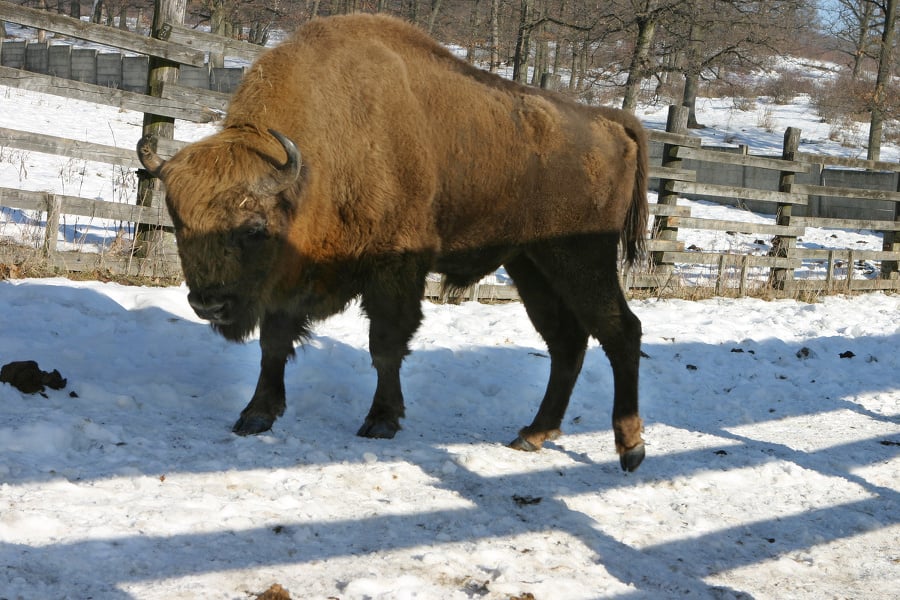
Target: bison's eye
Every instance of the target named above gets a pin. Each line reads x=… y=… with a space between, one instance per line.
x=252 y=232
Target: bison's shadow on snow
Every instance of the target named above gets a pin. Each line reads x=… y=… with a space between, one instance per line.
x=483 y=398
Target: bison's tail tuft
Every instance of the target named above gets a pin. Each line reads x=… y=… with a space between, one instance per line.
x=634 y=233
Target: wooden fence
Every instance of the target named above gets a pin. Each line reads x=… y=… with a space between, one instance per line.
x=731 y=270
x=187 y=49
x=730 y=273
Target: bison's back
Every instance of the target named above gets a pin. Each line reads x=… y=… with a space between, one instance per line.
x=429 y=151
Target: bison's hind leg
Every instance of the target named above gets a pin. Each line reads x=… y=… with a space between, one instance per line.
x=566 y=342
x=583 y=271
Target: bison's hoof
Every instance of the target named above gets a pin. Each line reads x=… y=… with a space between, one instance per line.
x=252 y=424
x=385 y=430
x=631 y=459
x=522 y=444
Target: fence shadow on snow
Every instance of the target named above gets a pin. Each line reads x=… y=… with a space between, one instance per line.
x=666 y=403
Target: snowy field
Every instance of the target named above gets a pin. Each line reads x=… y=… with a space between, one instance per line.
x=773 y=467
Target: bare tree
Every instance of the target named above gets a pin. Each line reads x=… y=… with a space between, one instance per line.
x=705 y=37
x=885 y=64
x=435 y=9
x=495 y=35
x=642 y=19
x=853 y=26
x=647 y=15
x=523 y=41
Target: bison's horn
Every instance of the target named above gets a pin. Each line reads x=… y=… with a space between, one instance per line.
x=146 y=150
x=289 y=172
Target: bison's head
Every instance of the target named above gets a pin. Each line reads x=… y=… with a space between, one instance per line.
x=231 y=201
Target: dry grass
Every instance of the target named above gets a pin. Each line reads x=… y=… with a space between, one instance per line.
x=18 y=262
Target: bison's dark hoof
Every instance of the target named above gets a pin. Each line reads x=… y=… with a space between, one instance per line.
x=522 y=444
x=632 y=459
x=252 y=424
x=384 y=430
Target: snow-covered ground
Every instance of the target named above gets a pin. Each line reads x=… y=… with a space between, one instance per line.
x=773 y=466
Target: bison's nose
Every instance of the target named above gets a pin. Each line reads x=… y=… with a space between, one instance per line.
x=209 y=307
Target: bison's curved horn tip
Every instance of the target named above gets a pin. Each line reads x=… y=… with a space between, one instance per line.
x=147 y=154
x=147 y=142
x=290 y=148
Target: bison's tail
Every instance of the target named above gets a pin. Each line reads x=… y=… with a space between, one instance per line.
x=634 y=233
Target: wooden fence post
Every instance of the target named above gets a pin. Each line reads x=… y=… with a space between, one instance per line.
x=150 y=241
x=676 y=122
x=890 y=268
x=783 y=246
x=51 y=230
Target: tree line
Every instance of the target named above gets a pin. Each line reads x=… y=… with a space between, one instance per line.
x=603 y=51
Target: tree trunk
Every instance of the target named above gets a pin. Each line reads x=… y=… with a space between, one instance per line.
x=884 y=72
x=541 y=48
x=495 y=35
x=692 y=66
x=472 y=33
x=865 y=22
x=218 y=24
x=541 y=61
x=520 y=59
x=639 y=61
x=689 y=97
x=435 y=9
x=574 y=72
x=97 y=11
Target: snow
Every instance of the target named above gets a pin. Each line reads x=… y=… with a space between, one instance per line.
x=773 y=467
x=769 y=473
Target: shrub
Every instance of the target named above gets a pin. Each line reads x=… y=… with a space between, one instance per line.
x=786 y=86
x=843 y=98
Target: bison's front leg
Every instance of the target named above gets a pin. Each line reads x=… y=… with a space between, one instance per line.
x=393 y=302
x=276 y=339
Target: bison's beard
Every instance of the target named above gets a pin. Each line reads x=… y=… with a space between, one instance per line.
x=241 y=324
x=235 y=332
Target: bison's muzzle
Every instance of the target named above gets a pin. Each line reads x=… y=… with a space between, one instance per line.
x=218 y=310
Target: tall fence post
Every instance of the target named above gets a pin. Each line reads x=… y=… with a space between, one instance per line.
x=663 y=229
x=890 y=268
x=783 y=246
x=153 y=242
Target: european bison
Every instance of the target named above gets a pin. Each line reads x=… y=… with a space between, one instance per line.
x=412 y=161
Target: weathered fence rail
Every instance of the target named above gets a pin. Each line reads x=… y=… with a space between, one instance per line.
x=732 y=270
x=685 y=169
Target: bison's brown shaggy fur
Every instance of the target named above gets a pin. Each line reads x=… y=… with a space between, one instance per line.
x=412 y=160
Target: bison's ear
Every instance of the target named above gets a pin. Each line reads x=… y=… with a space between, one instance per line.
x=146 y=151
x=286 y=174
